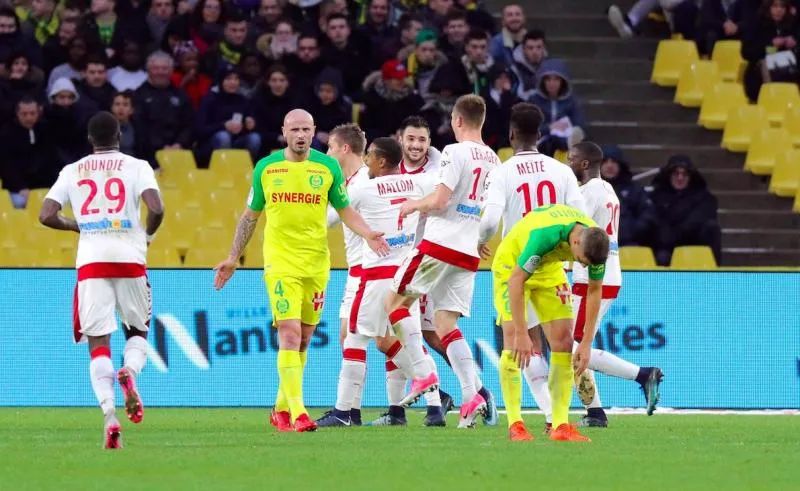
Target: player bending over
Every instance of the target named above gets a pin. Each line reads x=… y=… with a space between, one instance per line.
x=444 y=263
x=378 y=200
x=527 y=180
x=294 y=187
x=528 y=267
x=103 y=190
x=602 y=205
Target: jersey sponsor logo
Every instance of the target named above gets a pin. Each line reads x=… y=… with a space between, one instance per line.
x=468 y=210
x=395 y=187
x=532 y=263
x=105 y=225
x=278 y=170
x=316 y=181
x=401 y=240
x=303 y=198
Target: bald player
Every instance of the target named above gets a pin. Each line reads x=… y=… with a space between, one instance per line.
x=293 y=187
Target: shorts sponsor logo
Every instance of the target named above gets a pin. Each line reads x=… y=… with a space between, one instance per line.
x=531 y=263
x=282 y=306
x=315 y=180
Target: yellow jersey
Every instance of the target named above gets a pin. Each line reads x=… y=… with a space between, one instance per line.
x=295 y=197
x=540 y=242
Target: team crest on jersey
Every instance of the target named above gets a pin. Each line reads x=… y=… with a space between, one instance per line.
x=277 y=182
x=315 y=180
x=282 y=306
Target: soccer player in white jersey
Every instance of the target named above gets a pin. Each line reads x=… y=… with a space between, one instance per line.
x=346 y=144
x=526 y=181
x=602 y=205
x=103 y=190
x=444 y=263
x=378 y=200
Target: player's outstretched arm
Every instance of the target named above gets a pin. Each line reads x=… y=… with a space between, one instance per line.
x=436 y=201
x=155 y=212
x=49 y=216
x=594 y=294
x=523 y=346
x=244 y=232
x=356 y=223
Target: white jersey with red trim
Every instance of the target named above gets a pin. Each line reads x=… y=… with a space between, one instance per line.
x=530 y=180
x=430 y=165
x=602 y=205
x=104 y=190
x=353 y=241
x=378 y=201
x=463 y=169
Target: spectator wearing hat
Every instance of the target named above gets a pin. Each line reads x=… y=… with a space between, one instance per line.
x=389 y=98
x=343 y=52
x=687 y=211
x=563 y=119
x=528 y=57
x=500 y=97
x=187 y=75
x=64 y=113
x=225 y=119
x=424 y=61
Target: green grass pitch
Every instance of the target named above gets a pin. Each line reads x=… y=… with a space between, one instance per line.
x=233 y=449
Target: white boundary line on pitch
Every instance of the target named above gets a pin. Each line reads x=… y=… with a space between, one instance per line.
x=617 y=411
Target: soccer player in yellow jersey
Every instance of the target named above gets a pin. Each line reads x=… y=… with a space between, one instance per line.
x=293 y=187
x=528 y=267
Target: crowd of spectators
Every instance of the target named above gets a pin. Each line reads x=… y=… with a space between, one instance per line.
x=768 y=29
x=207 y=74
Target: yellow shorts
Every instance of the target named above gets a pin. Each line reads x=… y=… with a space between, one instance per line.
x=292 y=297
x=548 y=291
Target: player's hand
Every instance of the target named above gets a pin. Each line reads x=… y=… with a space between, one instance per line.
x=523 y=350
x=580 y=359
x=484 y=251
x=224 y=271
x=408 y=208
x=378 y=244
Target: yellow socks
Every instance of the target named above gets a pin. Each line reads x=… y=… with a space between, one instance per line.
x=511 y=386
x=281 y=403
x=561 y=381
x=290 y=371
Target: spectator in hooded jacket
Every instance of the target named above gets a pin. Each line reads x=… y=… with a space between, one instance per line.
x=225 y=119
x=388 y=99
x=687 y=211
x=510 y=36
x=164 y=111
x=64 y=114
x=328 y=108
x=637 y=218
x=500 y=98
x=20 y=79
x=528 y=57
x=563 y=119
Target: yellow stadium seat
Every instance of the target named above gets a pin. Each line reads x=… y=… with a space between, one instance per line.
x=163 y=257
x=197 y=184
x=336 y=246
x=791 y=123
x=212 y=239
x=35 y=201
x=14 y=222
x=695 y=80
x=727 y=55
x=718 y=102
x=765 y=146
x=5 y=201
x=796 y=207
x=776 y=97
x=743 y=123
x=561 y=156
x=18 y=257
x=231 y=163
x=693 y=257
x=203 y=258
x=785 y=178
x=505 y=153
x=178 y=160
x=671 y=57
x=636 y=257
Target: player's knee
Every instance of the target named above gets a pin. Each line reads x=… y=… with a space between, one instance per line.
x=290 y=339
x=132 y=331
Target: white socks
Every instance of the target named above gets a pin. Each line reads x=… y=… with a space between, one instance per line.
x=354 y=369
x=460 y=357
x=408 y=330
x=135 y=354
x=101 y=371
x=537 y=373
x=605 y=362
x=395 y=383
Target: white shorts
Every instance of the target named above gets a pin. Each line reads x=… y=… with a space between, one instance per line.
x=448 y=287
x=97 y=299
x=579 y=307
x=350 y=288
x=426 y=313
x=368 y=316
